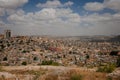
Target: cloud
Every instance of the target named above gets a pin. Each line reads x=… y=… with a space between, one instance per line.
x=112 y=4
x=9 y=6
x=54 y=4
x=97 y=6
x=95 y=17
x=55 y=21
x=1 y=23
x=94 y=6
x=55 y=18
x=46 y=15
x=102 y=24
x=69 y=3
x=12 y=3
x=2 y=11
x=48 y=21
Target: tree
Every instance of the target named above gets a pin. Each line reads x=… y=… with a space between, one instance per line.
x=35 y=59
x=87 y=56
x=24 y=63
x=5 y=59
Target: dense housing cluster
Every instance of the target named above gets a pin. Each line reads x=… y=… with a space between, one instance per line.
x=33 y=50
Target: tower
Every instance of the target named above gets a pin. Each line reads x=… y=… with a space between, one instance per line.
x=7 y=34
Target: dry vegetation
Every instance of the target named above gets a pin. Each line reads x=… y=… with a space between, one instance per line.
x=78 y=75
x=24 y=74
x=45 y=74
x=87 y=75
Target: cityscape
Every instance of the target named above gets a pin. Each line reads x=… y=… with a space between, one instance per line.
x=69 y=51
x=59 y=39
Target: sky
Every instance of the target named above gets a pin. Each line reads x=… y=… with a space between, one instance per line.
x=60 y=17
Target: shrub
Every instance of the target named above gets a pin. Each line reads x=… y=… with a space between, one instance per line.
x=24 y=51
x=108 y=68
x=24 y=63
x=46 y=62
x=76 y=77
x=50 y=62
x=55 y=64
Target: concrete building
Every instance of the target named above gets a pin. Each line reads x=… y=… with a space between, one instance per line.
x=7 y=34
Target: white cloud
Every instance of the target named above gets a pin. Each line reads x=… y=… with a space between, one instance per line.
x=46 y=14
x=94 y=6
x=9 y=6
x=47 y=21
x=12 y=3
x=69 y=3
x=102 y=24
x=1 y=23
x=97 y=6
x=112 y=4
x=54 y=4
x=2 y=11
x=54 y=21
x=97 y=17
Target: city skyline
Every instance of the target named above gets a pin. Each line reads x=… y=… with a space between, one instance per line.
x=60 y=17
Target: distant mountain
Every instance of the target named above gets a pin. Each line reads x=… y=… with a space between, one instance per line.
x=116 y=38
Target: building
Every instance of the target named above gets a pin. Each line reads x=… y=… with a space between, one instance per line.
x=1 y=36
x=7 y=34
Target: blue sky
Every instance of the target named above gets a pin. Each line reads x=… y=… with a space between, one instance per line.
x=77 y=6
x=60 y=17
